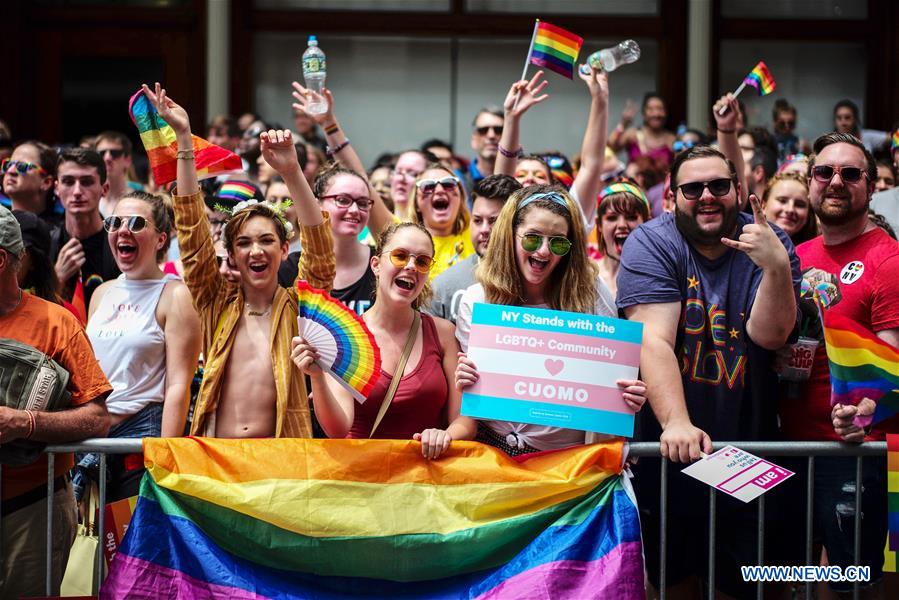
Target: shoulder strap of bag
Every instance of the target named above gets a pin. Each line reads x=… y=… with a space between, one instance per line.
x=398 y=373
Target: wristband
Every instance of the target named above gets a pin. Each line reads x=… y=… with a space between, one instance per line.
x=332 y=151
x=185 y=154
x=31 y=424
x=332 y=128
x=727 y=131
x=509 y=153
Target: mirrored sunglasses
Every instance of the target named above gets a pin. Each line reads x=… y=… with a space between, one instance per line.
x=558 y=245
x=20 y=166
x=134 y=223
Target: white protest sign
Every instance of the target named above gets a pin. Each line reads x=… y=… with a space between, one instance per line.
x=737 y=473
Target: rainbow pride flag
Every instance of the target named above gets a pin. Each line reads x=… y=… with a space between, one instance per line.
x=861 y=366
x=309 y=518
x=555 y=49
x=159 y=142
x=893 y=493
x=760 y=78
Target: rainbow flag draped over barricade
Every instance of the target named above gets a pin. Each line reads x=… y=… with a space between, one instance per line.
x=893 y=495
x=343 y=518
x=861 y=366
x=159 y=141
x=555 y=48
x=760 y=78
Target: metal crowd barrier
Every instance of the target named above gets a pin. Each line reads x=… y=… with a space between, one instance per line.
x=810 y=450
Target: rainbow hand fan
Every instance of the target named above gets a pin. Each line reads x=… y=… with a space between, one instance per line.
x=346 y=347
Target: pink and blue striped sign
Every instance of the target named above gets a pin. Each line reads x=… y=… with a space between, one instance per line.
x=553 y=368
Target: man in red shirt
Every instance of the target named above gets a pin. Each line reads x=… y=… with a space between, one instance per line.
x=864 y=261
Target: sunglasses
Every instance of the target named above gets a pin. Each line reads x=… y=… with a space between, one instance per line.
x=114 y=152
x=680 y=145
x=558 y=245
x=428 y=186
x=345 y=201
x=694 y=189
x=400 y=258
x=497 y=129
x=787 y=124
x=21 y=167
x=134 y=223
x=824 y=173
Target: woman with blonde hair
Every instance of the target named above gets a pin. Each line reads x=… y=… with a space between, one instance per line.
x=787 y=205
x=537 y=257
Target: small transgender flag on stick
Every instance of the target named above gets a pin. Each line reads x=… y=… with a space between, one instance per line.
x=760 y=78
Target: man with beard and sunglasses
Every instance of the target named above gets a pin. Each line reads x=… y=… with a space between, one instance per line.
x=716 y=292
x=863 y=262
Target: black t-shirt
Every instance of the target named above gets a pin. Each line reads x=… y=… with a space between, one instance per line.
x=99 y=264
x=358 y=296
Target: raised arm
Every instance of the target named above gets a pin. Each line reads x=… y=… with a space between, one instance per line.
x=521 y=97
x=379 y=216
x=680 y=441
x=182 y=347
x=593 y=149
x=623 y=134
x=727 y=140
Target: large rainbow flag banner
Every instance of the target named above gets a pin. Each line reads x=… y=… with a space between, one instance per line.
x=760 y=78
x=893 y=494
x=302 y=518
x=159 y=141
x=861 y=366
x=555 y=48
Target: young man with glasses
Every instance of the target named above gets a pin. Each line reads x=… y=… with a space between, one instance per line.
x=79 y=248
x=716 y=292
x=863 y=262
x=28 y=180
x=115 y=150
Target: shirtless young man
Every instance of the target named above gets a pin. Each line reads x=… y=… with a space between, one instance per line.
x=249 y=387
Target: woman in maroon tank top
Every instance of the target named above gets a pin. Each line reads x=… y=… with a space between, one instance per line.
x=426 y=404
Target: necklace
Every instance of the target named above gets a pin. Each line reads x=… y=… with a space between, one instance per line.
x=258 y=313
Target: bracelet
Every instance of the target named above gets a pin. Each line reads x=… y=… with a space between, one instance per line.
x=332 y=151
x=185 y=154
x=31 y=424
x=332 y=128
x=727 y=131
x=509 y=153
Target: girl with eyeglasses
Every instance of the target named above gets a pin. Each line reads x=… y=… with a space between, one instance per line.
x=425 y=405
x=145 y=333
x=437 y=202
x=537 y=257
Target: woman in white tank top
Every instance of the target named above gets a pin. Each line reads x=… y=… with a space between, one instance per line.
x=144 y=330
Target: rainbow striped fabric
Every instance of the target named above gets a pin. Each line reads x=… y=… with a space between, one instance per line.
x=555 y=49
x=309 y=518
x=861 y=366
x=893 y=492
x=760 y=78
x=894 y=141
x=159 y=141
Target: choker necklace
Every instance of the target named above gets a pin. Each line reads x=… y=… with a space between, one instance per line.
x=258 y=313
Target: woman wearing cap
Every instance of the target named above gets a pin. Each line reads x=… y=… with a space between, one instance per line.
x=622 y=208
x=145 y=333
x=537 y=257
x=423 y=404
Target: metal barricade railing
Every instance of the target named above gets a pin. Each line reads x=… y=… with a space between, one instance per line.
x=811 y=450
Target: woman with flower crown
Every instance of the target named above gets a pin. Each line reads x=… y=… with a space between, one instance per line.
x=249 y=387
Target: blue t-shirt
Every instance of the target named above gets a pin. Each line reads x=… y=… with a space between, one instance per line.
x=729 y=386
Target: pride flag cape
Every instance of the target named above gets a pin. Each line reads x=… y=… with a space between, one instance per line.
x=760 y=78
x=306 y=518
x=159 y=142
x=861 y=366
x=554 y=48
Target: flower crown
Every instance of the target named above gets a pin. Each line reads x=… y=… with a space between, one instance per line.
x=277 y=207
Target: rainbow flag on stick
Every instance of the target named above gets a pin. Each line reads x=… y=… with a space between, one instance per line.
x=159 y=141
x=760 y=78
x=861 y=366
x=554 y=48
x=343 y=518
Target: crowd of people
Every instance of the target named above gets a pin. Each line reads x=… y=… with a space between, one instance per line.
x=174 y=307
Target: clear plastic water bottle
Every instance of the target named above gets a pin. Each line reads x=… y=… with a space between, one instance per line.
x=314 y=72
x=609 y=59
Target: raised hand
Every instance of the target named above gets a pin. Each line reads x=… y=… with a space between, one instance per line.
x=524 y=94
x=597 y=82
x=168 y=109
x=727 y=112
x=305 y=96
x=759 y=241
x=304 y=356
x=278 y=151
x=629 y=112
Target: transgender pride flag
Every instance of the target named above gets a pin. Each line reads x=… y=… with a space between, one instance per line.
x=299 y=518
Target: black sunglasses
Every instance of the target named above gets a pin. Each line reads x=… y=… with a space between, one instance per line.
x=694 y=189
x=497 y=129
x=134 y=223
x=114 y=152
x=824 y=173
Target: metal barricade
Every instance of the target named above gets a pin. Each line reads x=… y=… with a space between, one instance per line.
x=811 y=450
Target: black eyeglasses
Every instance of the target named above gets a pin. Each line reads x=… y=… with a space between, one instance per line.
x=429 y=186
x=345 y=201
x=133 y=223
x=114 y=152
x=558 y=245
x=694 y=189
x=824 y=173
x=497 y=129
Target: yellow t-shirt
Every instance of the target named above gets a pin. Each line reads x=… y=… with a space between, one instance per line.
x=450 y=249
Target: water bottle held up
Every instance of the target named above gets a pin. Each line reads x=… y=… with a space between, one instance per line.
x=314 y=72
x=609 y=59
